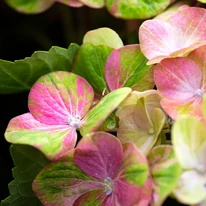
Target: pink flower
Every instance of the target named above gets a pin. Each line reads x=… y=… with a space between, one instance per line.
x=182 y=32
x=182 y=82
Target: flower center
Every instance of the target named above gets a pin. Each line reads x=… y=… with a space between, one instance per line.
x=75 y=121
x=108 y=186
x=199 y=93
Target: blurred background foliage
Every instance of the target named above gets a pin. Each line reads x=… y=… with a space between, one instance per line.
x=21 y=35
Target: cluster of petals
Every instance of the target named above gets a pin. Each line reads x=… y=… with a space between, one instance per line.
x=182 y=32
x=182 y=82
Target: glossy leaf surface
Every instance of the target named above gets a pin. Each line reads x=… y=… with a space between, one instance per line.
x=20 y=75
x=28 y=163
x=89 y=63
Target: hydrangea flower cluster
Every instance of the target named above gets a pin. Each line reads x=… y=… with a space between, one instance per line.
x=137 y=167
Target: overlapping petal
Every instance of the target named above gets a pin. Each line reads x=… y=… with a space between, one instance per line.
x=188 y=138
x=53 y=140
x=58 y=96
x=57 y=103
x=180 y=34
x=182 y=83
x=141 y=120
x=127 y=67
x=101 y=171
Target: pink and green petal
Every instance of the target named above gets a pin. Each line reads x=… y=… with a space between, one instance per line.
x=99 y=154
x=96 y=116
x=127 y=67
x=188 y=138
x=93 y=3
x=95 y=197
x=62 y=183
x=178 y=35
x=178 y=78
x=132 y=184
x=72 y=3
x=31 y=6
x=54 y=141
x=129 y=194
x=165 y=172
x=104 y=36
x=191 y=188
x=191 y=21
x=140 y=127
x=175 y=108
x=58 y=97
x=199 y=57
x=136 y=9
x=158 y=39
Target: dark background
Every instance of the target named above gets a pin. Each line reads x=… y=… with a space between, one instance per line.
x=21 y=35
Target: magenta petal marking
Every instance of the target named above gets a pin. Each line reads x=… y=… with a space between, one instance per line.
x=99 y=155
x=178 y=78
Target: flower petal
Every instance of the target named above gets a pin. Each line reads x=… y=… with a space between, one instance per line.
x=53 y=140
x=57 y=96
x=72 y=3
x=62 y=183
x=132 y=185
x=175 y=108
x=181 y=33
x=165 y=172
x=104 y=36
x=158 y=39
x=99 y=155
x=126 y=67
x=139 y=126
x=188 y=138
x=191 y=188
x=178 y=78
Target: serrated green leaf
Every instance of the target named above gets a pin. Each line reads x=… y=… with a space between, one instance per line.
x=89 y=63
x=28 y=163
x=20 y=75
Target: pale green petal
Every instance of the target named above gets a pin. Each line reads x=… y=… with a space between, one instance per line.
x=189 y=140
x=191 y=188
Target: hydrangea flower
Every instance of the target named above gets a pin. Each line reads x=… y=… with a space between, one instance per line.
x=141 y=119
x=188 y=138
x=101 y=171
x=182 y=32
x=59 y=104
